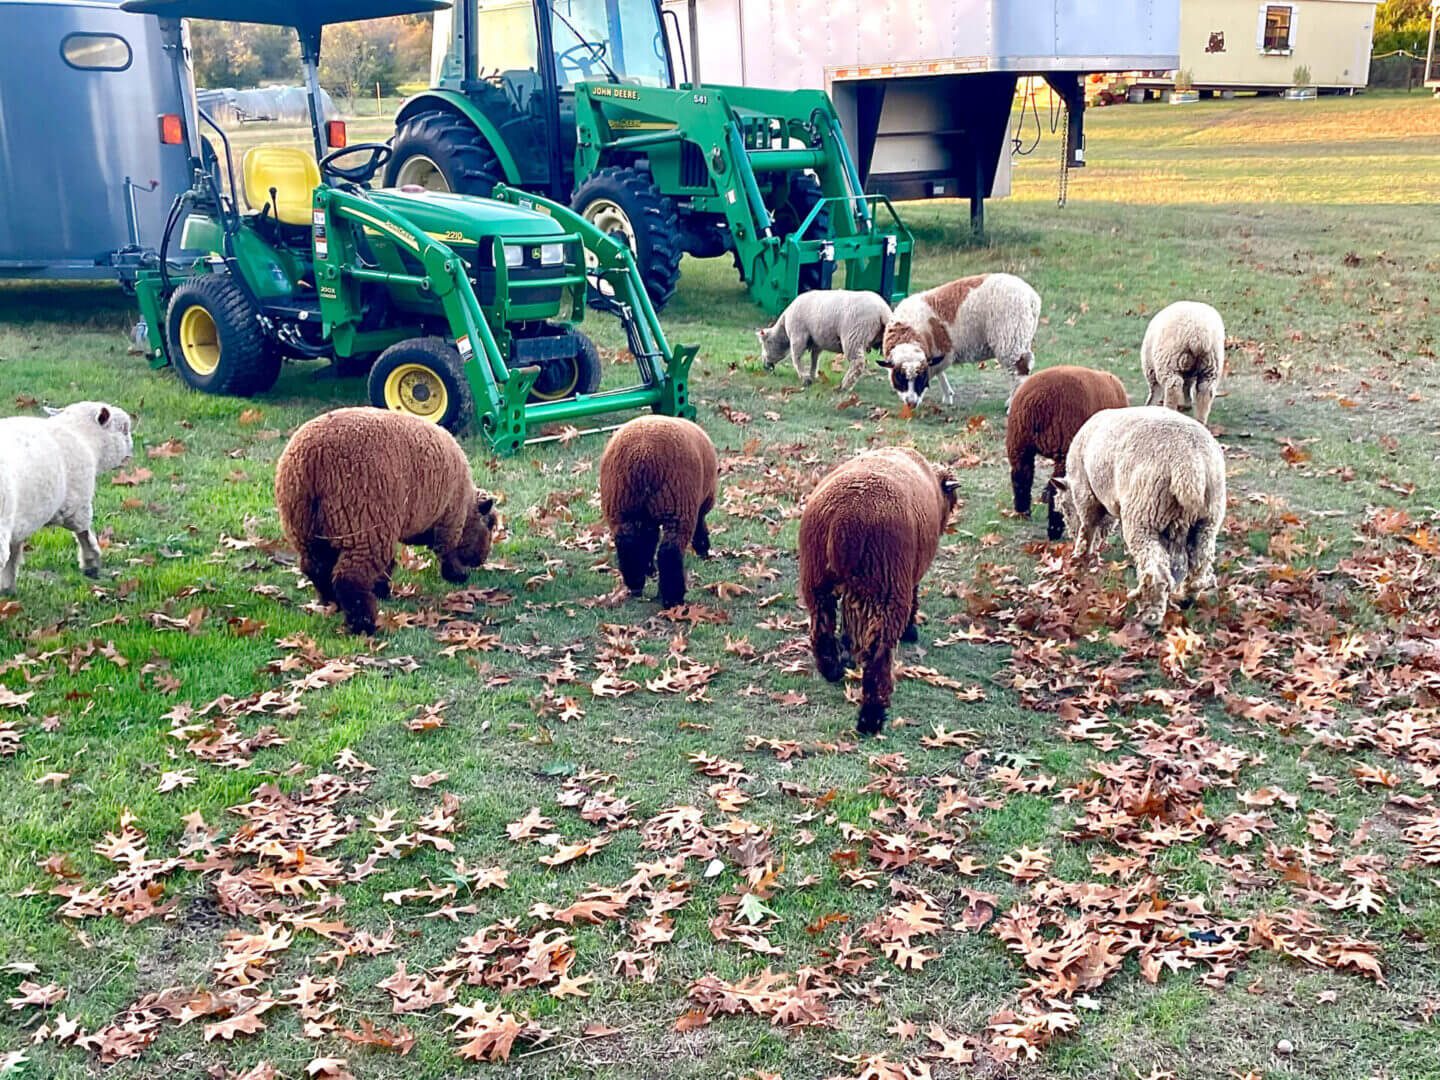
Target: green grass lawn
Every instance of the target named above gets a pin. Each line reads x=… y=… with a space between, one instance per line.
x=1307 y=695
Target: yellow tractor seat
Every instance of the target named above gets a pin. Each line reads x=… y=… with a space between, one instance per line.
x=290 y=172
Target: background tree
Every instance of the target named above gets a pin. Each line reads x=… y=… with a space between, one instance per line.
x=1402 y=24
x=355 y=55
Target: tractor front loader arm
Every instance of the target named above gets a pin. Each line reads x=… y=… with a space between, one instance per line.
x=718 y=149
x=500 y=392
x=617 y=287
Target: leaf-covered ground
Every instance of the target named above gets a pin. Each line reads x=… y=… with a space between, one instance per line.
x=535 y=824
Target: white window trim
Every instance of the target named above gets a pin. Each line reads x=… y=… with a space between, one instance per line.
x=1289 y=50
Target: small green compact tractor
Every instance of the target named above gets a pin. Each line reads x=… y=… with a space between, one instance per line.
x=577 y=100
x=464 y=309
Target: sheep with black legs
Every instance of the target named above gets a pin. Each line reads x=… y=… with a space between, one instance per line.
x=868 y=533
x=1183 y=357
x=658 y=477
x=1161 y=475
x=961 y=322
x=48 y=467
x=353 y=483
x=836 y=320
x=1047 y=411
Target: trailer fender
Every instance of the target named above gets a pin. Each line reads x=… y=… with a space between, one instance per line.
x=456 y=102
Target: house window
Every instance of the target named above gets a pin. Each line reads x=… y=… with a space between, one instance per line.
x=96 y=52
x=1279 y=18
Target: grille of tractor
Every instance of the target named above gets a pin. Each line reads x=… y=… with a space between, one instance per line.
x=693 y=173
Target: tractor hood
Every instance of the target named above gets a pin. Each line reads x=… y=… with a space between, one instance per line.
x=301 y=14
x=464 y=219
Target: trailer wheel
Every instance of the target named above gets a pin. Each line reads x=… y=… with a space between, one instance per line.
x=423 y=377
x=440 y=151
x=803 y=194
x=574 y=375
x=625 y=203
x=216 y=342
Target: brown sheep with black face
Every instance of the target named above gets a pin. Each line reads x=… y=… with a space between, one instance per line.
x=868 y=533
x=658 y=477
x=1047 y=411
x=353 y=483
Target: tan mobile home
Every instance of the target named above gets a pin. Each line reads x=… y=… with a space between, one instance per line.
x=1248 y=45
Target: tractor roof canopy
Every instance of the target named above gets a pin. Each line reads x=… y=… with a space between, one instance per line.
x=302 y=14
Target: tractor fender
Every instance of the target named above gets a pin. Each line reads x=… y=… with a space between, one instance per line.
x=456 y=102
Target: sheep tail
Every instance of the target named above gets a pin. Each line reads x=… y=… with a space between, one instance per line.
x=1187 y=484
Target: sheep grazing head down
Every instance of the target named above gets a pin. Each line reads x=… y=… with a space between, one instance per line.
x=909 y=372
x=773 y=345
x=1062 y=500
x=480 y=525
x=112 y=439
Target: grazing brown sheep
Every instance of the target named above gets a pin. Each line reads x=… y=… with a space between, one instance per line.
x=1047 y=411
x=868 y=533
x=658 y=477
x=1161 y=475
x=353 y=483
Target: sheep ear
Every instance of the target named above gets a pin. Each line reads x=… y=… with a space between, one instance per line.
x=936 y=361
x=103 y=416
x=51 y=412
x=884 y=361
x=484 y=504
x=949 y=484
x=1059 y=483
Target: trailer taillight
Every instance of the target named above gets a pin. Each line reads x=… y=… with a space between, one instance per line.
x=335 y=134
x=172 y=132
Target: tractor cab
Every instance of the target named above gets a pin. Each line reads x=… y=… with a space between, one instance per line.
x=461 y=308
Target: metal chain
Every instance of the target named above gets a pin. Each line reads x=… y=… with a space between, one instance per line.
x=1064 y=192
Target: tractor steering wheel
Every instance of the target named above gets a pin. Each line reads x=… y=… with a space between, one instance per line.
x=363 y=173
x=584 y=66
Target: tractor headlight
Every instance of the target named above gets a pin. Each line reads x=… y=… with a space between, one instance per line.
x=552 y=254
x=514 y=256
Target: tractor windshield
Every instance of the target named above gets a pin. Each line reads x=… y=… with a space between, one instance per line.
x=616 y=40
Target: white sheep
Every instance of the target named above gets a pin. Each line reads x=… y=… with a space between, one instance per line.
x=838 y=321
x=1184 y=351
x=988 y=316
x=1160 y=474
x=48 y=467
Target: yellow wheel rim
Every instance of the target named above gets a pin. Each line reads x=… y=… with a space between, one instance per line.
x=562 y=392
x=199 y=341
x=417 y=390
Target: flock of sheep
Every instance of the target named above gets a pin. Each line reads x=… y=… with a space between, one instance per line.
x=353 y=483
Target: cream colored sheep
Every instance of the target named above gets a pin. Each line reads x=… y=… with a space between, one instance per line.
x=837 y=320
x=1162 y=476
x=1183 y=355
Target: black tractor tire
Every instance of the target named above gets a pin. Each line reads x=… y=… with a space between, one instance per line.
x=215 y=339
x=654 y=224
x=467 y=165
x=804 y=193
x=579 y=374
x=423 y=377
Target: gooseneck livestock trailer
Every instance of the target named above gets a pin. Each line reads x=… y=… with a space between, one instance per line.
x=83 y=175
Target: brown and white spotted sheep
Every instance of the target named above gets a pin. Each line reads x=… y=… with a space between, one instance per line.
x=353 y=483
x=988 y=316
x=658 y=477
x=868 y=533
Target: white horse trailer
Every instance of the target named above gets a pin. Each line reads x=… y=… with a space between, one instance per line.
x=924 y=87
x=84 y=173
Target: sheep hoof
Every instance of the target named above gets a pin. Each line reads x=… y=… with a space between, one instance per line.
x=871 y=720
x=91 y=571
x=831 y=668
x=1185 y=603
x=360 y=627
x=911 y=634
x=382 y=590
x=636 y=594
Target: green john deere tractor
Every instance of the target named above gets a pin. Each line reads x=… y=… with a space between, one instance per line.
x=576 y=100
x=464 y=309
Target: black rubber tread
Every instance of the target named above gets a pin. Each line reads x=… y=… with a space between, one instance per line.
x=448 y=139
x=654 y=218
x=439 y=355
x=248 y=364
x=805 y=192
